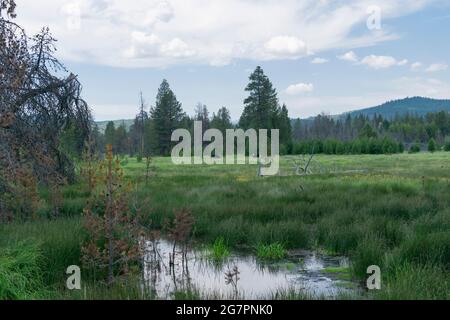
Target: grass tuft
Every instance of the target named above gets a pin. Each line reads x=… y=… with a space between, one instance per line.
x=219 y=250
x=272 y=252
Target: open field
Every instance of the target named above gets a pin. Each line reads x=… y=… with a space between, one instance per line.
x=390 y=211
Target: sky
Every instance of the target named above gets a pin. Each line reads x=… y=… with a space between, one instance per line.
x=321 y=55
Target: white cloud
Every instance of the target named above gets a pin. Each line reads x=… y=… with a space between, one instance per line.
x=436 y=67
x=373 y=61
x=416 y=66
x=177 y=48
x=149 y=45
x=319 y=61
x=349 y=56
x=207 y=32
x=161 y=12
x=382 y=62
x=286 y=46
x=299 y=88
x=143 y=45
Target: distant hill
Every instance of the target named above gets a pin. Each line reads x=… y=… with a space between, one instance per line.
x=102 y=124
x=415 y=106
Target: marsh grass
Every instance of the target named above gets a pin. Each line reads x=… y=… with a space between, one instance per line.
x=272 y=252
x=21 y=273
x=392 y=211
x=415 y=282
x=58 y=242
x=219 y=250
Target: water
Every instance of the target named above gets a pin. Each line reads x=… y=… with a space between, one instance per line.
x=303 y=271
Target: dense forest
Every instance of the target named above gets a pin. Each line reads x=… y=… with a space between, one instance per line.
x=373 y=135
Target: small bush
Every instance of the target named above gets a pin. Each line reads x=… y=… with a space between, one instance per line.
x=432 y=146
x=401 y=148
x=447 y=146
x=415 y=148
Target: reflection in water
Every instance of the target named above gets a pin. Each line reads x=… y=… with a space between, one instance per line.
x=239 y=277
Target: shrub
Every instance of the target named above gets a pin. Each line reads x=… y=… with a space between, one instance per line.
x=432 y=146
x=415 y=148
x=447 y=146
x=284 y=150
x=389 y=146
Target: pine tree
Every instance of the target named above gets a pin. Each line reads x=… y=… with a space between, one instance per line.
x=368 y=132
x=112 y=228
x=284 y=124
x=261 y=107
x=297 y=129
x=167 y=116
x=110 y=133
x=222 y=120
x=121 y=142
x=202 y=114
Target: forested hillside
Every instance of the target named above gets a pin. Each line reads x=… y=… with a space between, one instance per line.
x=416 y=106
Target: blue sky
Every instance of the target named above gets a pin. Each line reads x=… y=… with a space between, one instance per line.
x=206 y=50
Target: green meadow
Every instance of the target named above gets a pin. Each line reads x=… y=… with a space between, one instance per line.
x=388 y=210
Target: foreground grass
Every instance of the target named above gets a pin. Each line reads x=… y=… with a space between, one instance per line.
x=390 y=211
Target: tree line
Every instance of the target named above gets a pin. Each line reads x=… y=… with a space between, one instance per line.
x=153 y=126
x=151 y=131
x=373 y=135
